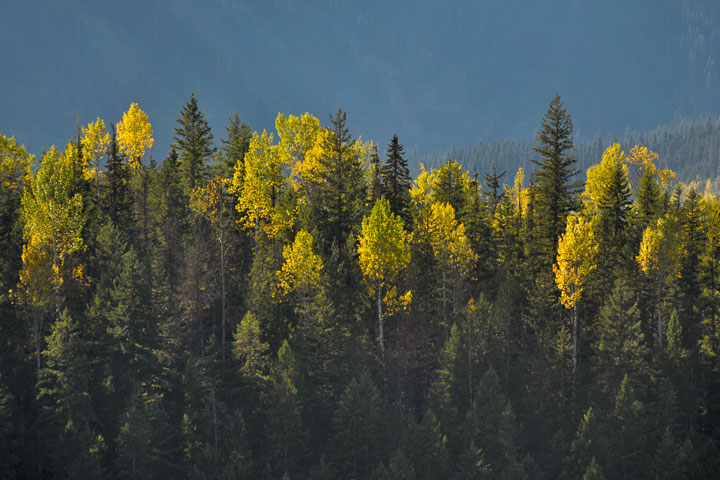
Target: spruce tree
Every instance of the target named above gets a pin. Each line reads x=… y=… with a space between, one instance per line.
x=555 y=191
x=340 y=195
x=396 y=180
x=235 y=146
x=492 y=183
x=193 y=140
x=117 y=197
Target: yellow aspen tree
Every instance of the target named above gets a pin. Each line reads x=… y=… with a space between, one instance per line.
x=134 y=135
x=260 y=188
x=212 y=201
x=53 y=222
x=452 y=247
x=658 y=258
x=576 y=258
x=384 y=251
x=642 y=159
x=597 y=175
x=301 y=270
x=302 y=144
x=95 y=143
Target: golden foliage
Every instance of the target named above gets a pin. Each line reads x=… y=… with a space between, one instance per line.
x=384 y=249
x=448 y=239
x=660 y=248
x=134 y=134
x=598 y=175
x=95 y=143
x=261 y=187
x=577 y=250
x=302 y=268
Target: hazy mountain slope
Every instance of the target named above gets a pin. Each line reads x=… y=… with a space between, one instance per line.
x=437 y=73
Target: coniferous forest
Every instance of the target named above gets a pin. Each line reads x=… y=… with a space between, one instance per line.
x=294 y=305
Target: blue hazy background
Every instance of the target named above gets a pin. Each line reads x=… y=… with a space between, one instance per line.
x=437 y=73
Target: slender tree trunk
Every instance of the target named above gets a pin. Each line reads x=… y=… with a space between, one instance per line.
x=56 y=278
x=215 y=422
x=37 y=330
x=222 y=289
x=381 y=325
x=470 y=350
x=658 y=310
x=575 y=351
x=444 y=297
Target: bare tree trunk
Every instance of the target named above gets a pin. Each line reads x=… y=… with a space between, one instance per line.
x=56 y=279
x=575 y=350
x=381 y=324
x=38 y=331
x=659 y=313
x=470 y=349
x=444 y=290
x=222 y=289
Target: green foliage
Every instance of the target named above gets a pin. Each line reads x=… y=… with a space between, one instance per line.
x=357 y=422
x=193 y=141
x=396 y=180
x=150 y=274
x=555 y=192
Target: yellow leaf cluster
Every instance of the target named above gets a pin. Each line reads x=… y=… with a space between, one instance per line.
x=209 y=200
x=598 y=175
x=577 y=250
x=95 y=143
x=660 y=248
x=644 y=160
x=14 y=165
x=448 y=239
x=302 y=268
x=384 y=244
x=53 y=222
x=134 y=134
x=262 y=185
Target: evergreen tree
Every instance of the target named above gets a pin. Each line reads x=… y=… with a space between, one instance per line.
x=472 y=465
x=193 y=140
x=339 y=199
x=356 y=445
x=555 y=193
x=235 y=146
x=492 y=183
x=117 y=196
x=396 y=180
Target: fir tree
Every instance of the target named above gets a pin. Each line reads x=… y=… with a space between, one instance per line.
x=555 y=191
x=396 y=180
x=235 y=146
x=193 y=140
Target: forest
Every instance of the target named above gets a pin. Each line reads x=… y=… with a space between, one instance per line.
x=294 y=305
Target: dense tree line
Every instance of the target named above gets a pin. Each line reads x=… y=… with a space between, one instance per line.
x=688 y=147
x=292 y=304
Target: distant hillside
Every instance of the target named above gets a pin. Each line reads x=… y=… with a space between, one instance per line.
x=691 y=148
x=436 y=73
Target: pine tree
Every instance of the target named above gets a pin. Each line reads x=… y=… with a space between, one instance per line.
x=492 y=183
x=193 y=140
x=339 y=199
x=235 y=146
x=117 y=198
x=396 y=180
x=555 y=191
x=356 y=445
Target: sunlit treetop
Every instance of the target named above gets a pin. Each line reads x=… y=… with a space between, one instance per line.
x=135 y=134
x=95 y=142
x=599 y=175
x=643 y=159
